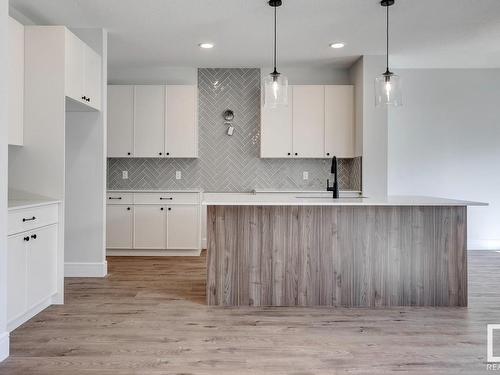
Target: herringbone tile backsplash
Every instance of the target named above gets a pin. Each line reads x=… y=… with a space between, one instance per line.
x=230 y=164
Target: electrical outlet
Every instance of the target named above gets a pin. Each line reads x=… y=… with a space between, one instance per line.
x=305 y=175
x=125 y=175
x=178 y=175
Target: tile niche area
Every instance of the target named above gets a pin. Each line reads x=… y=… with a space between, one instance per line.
x=230 y=163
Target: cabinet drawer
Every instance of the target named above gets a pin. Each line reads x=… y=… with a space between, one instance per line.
x=29 y=218
x=166 y=198
x=120 y=198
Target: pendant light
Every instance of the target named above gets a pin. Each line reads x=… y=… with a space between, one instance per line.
x=275 y=85
x=388 y=85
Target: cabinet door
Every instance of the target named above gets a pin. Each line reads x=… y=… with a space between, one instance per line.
x=339 y=121
x=120 y=121
x=149 y=121
x=16 y=276
x=181 y=131
x=93 y=81
x=119 y=221
x=42 y=265
x=16 y=82
x=149 y=227
x=183 y=227
x=75 y=67
x=276 y=130
x=308 y=121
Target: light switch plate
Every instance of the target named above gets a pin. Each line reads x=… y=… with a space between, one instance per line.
x=178 y=175
x=125 y=175
x=305 y=175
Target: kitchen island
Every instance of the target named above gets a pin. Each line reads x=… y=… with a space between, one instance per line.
x=299 y=250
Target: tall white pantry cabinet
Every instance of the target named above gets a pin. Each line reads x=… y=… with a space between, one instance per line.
x=159 y=121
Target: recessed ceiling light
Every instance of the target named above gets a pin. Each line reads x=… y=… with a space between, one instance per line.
x=337 y=45
x=206 y=45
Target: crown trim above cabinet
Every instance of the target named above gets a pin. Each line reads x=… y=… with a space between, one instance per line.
x=152 y=121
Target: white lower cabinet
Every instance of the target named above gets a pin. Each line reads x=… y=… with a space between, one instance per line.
x=153 y=221
x=41 y=265
x=119 y=224
x=16 y=276
x=149 y=227
x=31 y=271
x=183 y=223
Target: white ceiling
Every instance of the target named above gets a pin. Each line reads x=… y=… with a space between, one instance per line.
x=425 y=33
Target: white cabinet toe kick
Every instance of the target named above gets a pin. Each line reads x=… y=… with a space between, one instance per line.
x=153 y=224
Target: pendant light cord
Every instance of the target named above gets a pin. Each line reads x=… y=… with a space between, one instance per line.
x=275 y=17
x=387 y=39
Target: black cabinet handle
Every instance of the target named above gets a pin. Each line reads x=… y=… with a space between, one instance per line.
x=327 y=154
x=166 y=199
x=33 y=236
x=128 y=208
x=84 y=97
x=168 y=153
x=26 y=238
x=289 y=154
x=28 y=219
x=88 y=99
x=160 y=153
x=296 y=154
x=115 y=198
x=161 y=209
x=128 y=153
x=170 y=208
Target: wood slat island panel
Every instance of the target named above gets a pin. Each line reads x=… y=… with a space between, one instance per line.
x=351 y=256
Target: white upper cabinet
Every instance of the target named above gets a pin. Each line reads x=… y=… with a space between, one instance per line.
x=83 y=72
x=152 y=121
x=120 y=121
x=318 y=123
x=149 y=121
x=339 y=121
x=308 y=121
x=181 y=129
x=93 y=73
x=16 y=82
x=276 y=130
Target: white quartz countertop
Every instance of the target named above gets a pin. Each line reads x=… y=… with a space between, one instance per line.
x=302 y=199
x=156 y=191
x=16 y=204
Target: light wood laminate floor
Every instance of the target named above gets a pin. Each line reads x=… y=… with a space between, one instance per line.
x=149 y=317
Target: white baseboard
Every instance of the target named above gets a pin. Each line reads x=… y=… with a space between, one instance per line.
x=27 y=315
x=483 y=244
x=85 y=269
x=4 y=345
x=152 y=253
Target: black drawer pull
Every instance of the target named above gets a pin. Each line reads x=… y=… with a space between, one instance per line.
x=170 y=208
x=28 y=219
x=115 y=198
x=128 y=208
x=26 y=238
x=33 y=236
x=166 y=199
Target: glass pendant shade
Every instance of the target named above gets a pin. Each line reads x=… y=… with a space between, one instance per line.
x=388 y=90
x=275 y=90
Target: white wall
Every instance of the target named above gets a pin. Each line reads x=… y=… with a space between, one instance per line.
x=4 y=335
x=312 y=75
x=445 y=141
x=153 y=75
x=371 y=125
